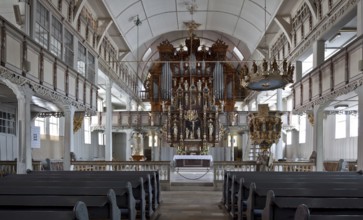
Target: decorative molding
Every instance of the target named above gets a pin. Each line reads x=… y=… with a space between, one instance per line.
x=44 y=91
x=321 y=28
x=333 y=94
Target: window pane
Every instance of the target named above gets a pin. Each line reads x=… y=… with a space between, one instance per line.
x=68 y=48
x=39 y=122
x=81 y=61
x=91 y=68
x=41 y=25
x=340 y=126
x=288 y=138
x=87 y=130
x=353 y=130
x=56 y=39
x=53 y=126
x=302 y=129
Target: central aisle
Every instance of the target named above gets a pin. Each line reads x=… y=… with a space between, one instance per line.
x=191 y=205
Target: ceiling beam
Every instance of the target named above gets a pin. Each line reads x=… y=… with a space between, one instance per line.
x=78 y=8
x=313 y=9
x=102 y=29
x=285 y=26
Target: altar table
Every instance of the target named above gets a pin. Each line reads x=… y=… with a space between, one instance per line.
x=193 y=160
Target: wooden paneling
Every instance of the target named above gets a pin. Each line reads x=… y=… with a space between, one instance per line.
x=339 y=71
x=13 y=51
x=305 y=83
x=354 y=57
x=72 y=86
x=315 y=86
x=48 y=73
x=61 y=80
x=33 y=58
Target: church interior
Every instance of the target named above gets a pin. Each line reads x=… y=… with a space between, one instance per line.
x=204 y=108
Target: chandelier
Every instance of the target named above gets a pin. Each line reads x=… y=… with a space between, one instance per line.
x=264 y=127
x=263 y=77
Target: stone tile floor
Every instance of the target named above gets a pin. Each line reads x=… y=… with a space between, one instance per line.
x=191 y=205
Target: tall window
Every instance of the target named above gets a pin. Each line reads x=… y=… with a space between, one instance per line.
x=353 y=125
x=42 y=25
x=81 y=59
x=53 y=126
x=68 y=48
x=87 y=130
x=91 y=68
x=7 y=122
x=302 y=129
x=288 y=137
x=101 y=138
x=39 y=122
x=340 y=126
x=56 y=38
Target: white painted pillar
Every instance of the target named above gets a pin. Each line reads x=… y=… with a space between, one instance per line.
x=279 y=150
x=360 y=18
x=295 y=143
x=318 y=134
x=127 y=147
x=24 y=160
x=108 y=126
x=68 y=145
x=318 y=53
x=359 y=91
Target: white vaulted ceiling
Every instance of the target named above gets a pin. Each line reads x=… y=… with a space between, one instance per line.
x=240 y=21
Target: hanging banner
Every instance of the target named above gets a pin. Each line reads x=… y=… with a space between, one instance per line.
x=35 y=136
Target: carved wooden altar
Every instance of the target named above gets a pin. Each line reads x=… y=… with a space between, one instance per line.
x=191 y=86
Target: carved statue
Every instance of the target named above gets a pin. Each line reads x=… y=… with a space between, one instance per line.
x=163 y=105
x=151 y=117
x=284 y=65
x=198 y=133
x=211 y=128
x=199 y=85
x=264 y=65
x=175 y=128
x=222 y=106
x=254 y=67
x=275 y=67
x=187 y=133
x=186 y=85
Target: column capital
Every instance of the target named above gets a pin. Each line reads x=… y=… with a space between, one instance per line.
x=69 y=109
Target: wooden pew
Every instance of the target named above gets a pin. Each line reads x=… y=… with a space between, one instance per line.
x=232 y=178
x=54 y=195
x=154 y=179
x=303 y=213
x=100 y=204
x=79 y=212
x=84 y=180
x=277 y=208
x=237 y=194
x=257 y=197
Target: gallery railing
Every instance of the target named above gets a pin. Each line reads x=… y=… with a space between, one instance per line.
x=164 y=167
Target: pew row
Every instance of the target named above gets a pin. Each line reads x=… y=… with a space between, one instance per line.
x=79 y=212
x=277 y=208
x=98 y=198
x=303 y=213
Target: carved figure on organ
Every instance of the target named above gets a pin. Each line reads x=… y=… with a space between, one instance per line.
x=186 y=85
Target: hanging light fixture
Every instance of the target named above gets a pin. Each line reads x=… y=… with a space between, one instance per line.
x=266 y=76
